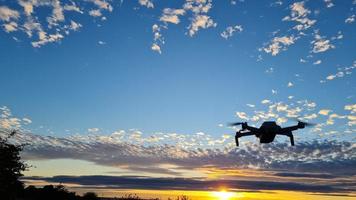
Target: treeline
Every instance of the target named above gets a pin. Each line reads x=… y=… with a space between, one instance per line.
x=59 y=192
x=11 y=188
x=47 y=192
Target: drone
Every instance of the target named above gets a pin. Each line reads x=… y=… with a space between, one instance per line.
x=268 y=131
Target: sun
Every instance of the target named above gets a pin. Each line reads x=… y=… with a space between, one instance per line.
x=223 y=195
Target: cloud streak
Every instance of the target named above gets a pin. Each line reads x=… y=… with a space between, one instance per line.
x=139 y=182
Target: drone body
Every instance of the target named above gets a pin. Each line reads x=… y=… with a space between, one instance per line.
x=268 y=131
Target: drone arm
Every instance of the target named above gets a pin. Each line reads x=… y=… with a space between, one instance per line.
x=242 y=134
x=289 y=129
x=252 y=129
x=290 y=135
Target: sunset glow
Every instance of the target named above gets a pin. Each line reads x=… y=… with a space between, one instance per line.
x=224 y=195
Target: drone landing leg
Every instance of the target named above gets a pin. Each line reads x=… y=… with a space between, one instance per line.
x=237 y=139
x=290 y=135
x=242 y=134
x=291 y=139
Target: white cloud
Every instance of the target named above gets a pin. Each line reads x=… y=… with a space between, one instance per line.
x=340 y=73
x=158 y=38
x=26 y=120
x=27 y=6
x=299 y=14
x=318 y=62
x=281 y=120
x=95 y=13
x=352 y=120
x=8 y=121
x=92 y=130
x=324 y=112
x=10 y=27
x=351 y=107
x=74 y=26
x=331 y=121
x=170 y=18
x=337 y=75
x=200 y=19
x=200 y=22
x=73 y=7
x=311 y=116
x=302 y=60
x=45 y=38
x=266 y=101
x=242 y=115
x=339 y=36
x=350 y=19
x=329 y=3
x=195 y=10
x=278 y=44
x=146 y=3
x=9 y=17
x=155 y=47
x=250 y=105
x=280 y=111
x=269 y=70
x=320 y=44
x=7 y=14
x=57 y=14
x=290 y=84
x=229 y=31
x=102 y=4
x=277 y=3
x=171 y=15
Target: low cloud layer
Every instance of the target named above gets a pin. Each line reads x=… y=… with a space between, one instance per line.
x=134 y=182
x=331 y=157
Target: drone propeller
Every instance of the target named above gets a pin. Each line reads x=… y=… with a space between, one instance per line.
x=236 y=123
x=306 y=124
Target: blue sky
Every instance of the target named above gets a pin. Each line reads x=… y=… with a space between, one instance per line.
x=196 y=83
x=177 y=67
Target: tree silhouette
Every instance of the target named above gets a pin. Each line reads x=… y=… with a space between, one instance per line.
x=11 y=166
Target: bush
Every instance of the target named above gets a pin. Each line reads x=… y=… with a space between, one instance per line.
x=90 y=196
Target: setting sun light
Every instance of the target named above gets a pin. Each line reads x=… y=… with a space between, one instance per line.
x=223 y=195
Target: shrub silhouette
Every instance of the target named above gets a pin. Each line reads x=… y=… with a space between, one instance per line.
x=58 y=192
x=90 y=196
x=182 y=197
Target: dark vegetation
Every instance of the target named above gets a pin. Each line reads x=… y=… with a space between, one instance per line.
x=11 y=188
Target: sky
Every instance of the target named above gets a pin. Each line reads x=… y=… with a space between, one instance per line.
x=109 y=92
